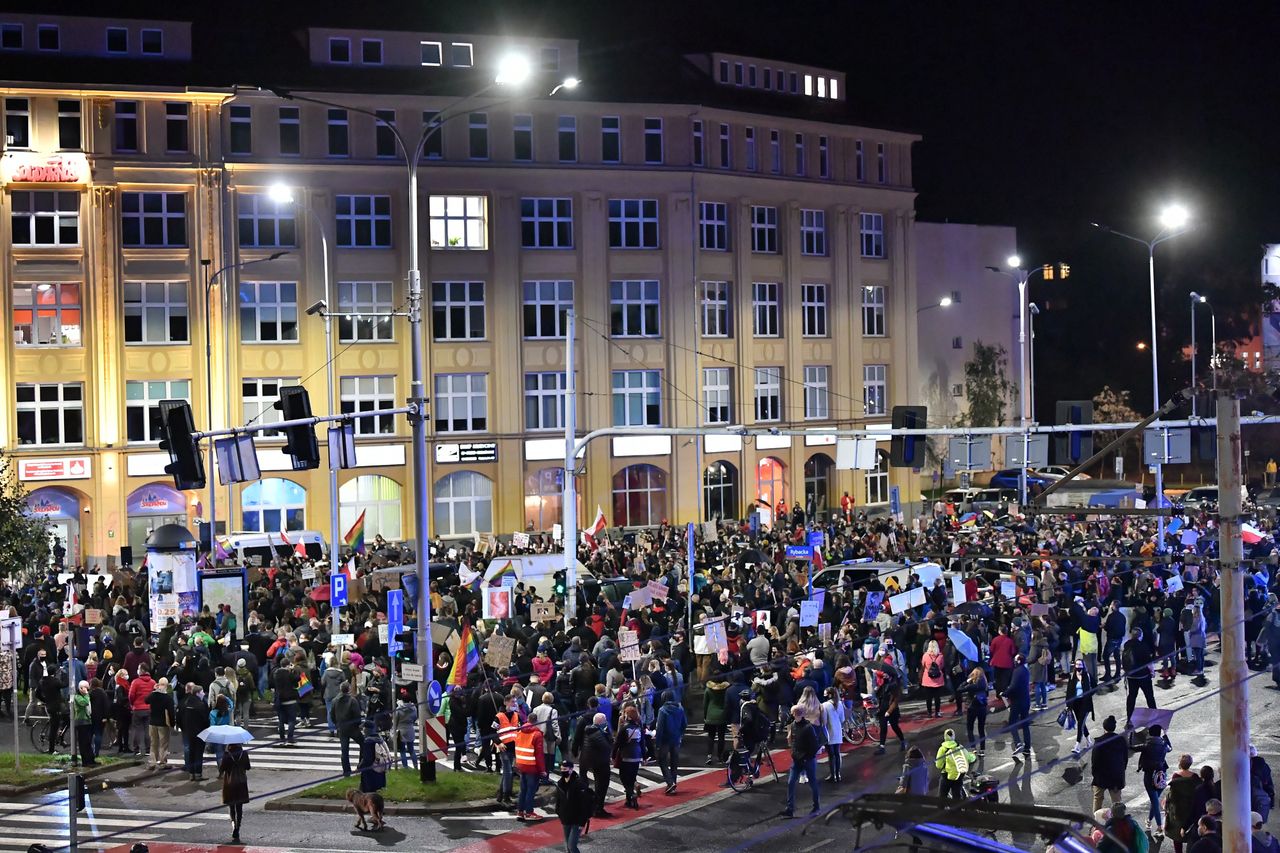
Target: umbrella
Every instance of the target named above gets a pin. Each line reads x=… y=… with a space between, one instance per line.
x=751 y=555
x=225 y=735
x=969 y=608
x=963 y=644
x=320 y=593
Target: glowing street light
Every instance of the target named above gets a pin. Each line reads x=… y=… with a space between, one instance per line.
x=513 y=70
x=1013 y=262
x=1174 y=216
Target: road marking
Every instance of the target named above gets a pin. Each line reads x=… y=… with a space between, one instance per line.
x=822 y=843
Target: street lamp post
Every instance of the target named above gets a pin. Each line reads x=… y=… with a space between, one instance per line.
x=1031 y=356
x=1195 y=298
x=944 y=302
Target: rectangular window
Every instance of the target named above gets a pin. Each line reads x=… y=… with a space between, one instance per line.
x=544 y=396
x=546 y=304
x=522 y=138
x=478 y=136
x=634 y=310
x=637 y=398
x=461 y=54
x=363 y=221
x=258 y=402
x=462 y=402
x=339 y=134
x=17 y=122
x=737 y=73
x=764 y=228
x=431 y=53
x=458 y=222
x=546 y=223
x=859 y=161
x=717 y=312
x=265 y=224
x=751 y=75
x=699 y=144
x=567 y=138
x=768 y=78
x=871 y=228
x=753 y=162
x=726 y=148
x=765 y=309
x=340 y=50
x=117 y=40
x=653 y=140
x=290 y=132
x=957 y=342
x=824 y=157
x=47 y=314
x=833 y=88
x=125 y=130
x=177 y=131
x=50 y=413
x=768 y=393
x=384 y=138
x=153 y=220
x=369 y=394
x=808 y=85
x=877 y=480
x=45 y=218
x=240 y=140
x=68 y=125
x=268 y=311
x=875 y=388
x=813 y=307
x=822 y=86
x=775 y=152
x=800 y=157
x=610 y=140
x=48 y=37
x=882 y=173
x=10 y=36
x=433 y=146
x=873 y=304
x=713 y=225
x=152 y=42
x=717 y=395
x=457 y=310
x=813 y=232
x=372 y=301
x=724 y=71
x=371 y=51
x=142 y=406
x=155 y=312
x=817 y=395
x=549 y=59
x=633 y=223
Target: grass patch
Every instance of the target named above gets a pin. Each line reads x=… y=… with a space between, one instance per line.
x=38 y=768
x=403 y=787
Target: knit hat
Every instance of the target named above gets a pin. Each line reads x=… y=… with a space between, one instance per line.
x=1118 y=809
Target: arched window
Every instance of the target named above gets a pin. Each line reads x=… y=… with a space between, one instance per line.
x=264 y=504
x=878 y=480
x=543 y=498
x=380 y=499
x=771 y=481
x=817 y=482
x=720 y=490
x=639 y=496
x=464 y=504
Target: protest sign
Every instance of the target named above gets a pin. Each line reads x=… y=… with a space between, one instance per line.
x=928 y=573
x=309 y=572
x=498 y=651
x=872 y=609
x=628 y=645
x=900 y=603
x=658 y=591
x=716 y=637
x=763 y=620
x=1008 y=589
x=958 y=594
x=808 y=614
x=824 y=633
x=520 y=540
x=542 y=611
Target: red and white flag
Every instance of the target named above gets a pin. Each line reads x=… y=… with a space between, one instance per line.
x=298 y=547
x=597 y=527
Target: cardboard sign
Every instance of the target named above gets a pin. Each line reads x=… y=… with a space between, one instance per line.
x=498 y=652
x=658 y=591
x=872 y=609
x=520 y=540
x=710 y=532
x=309 y=572
x=900 y=603
x=1040 y=610
x=342 y=640
x=383 y=632
x=628 y=645
x=497 y=602
x=928 y=573
x=1008 y=589
x=640 y=598
x=958 y=593
x=824 y=633
x=808 y=614
x=716 y=637
x=763 y=620
x=93 y=617
x=542 y=611
x=557 y=532
x=1173 y=583
x=444 y=635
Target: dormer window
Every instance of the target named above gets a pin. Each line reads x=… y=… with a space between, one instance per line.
x=371 y=51
x=117 y=40
x=152 y=42
x=340 y=50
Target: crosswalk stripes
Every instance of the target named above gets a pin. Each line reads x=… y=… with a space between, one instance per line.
x=21 y=824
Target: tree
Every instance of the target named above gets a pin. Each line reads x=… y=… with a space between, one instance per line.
x=986 y=385
x=1113 y=407
x=24 y=538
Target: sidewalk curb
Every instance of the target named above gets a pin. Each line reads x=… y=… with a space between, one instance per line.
x=59 y=780
x=295 y=803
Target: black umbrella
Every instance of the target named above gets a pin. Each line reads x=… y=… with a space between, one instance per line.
x=751 y=555
x=969 y=608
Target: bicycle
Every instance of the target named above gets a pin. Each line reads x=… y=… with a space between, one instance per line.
x=39 y=733
x=744 y=766
x=860 y=722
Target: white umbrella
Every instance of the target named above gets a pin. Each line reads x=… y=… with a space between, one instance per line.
x=226 y=735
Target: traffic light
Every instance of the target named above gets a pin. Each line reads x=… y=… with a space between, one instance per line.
x=1075 y=446
x=559 y=582
x=79 y=793
x=186 y=465
x=1064 y=270
x=300 y=441
x=406 y=651
x=907 y=451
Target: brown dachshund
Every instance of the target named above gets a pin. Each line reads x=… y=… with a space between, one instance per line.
x=369 y=805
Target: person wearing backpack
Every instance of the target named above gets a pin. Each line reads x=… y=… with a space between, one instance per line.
x=668 y=736
x=832 y=722
x=1124 y=827
x=933 y=679
x=1262 y=841
x=1151 y=761
x=804 y=759
x=888 y=694
x=375 y=758
x=953 y=761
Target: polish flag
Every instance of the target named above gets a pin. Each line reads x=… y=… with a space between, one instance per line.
x=1250 y=534
x=298 y=547
x=597 y=527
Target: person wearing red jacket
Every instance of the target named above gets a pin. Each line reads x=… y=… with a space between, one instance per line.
x=140 y=690
x=531 y=764
x=1003 y=650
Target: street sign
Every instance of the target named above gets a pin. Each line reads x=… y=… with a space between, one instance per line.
x=815 y=538
x=1037 y=451
x=437 y=741
x=969 y=452
x=435 y=695
x=11 y=633
x=410 y=671
x=395 y=619
x=895 y=500
x=338 y=589
x=799 y=552
x=1165 y=446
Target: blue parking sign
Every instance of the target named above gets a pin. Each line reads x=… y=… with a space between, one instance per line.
x=338 y=589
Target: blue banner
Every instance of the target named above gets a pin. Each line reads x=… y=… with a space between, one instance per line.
x=799 y=552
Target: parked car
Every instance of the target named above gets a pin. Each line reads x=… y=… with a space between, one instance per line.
x=997 y=501
x=1199 y=497
x=1008 y=479
x=959 y=497
x=1057 y=472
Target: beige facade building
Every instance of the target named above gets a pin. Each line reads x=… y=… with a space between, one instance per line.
x=748 y=264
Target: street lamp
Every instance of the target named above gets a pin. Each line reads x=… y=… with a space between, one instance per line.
x=944 y=302
x=1031 y=355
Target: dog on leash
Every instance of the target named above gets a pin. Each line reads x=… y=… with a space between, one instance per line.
x=366 y=806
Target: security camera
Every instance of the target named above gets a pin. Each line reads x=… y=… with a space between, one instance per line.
x=738 y=430
x=774 y=431
x=317 y=308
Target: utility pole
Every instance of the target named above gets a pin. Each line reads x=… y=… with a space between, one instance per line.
x=569 y=510
x=72 y=769
x=1233 y=694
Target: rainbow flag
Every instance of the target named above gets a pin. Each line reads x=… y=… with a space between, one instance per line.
x=497 y=571
x=304 y=685
x=355 y=536
x=468 y=658
x=969 y=519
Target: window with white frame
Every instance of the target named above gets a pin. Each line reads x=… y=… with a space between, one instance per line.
x=824 y=157
x=264 y=223
x=610 y=139
x=47 y=314
x=724 y=71
x=273 y=503
x=871 y=229
x=738 y=76
x=765 y=309
x=153 y=220
x=17 y=122
x=875 y=388
x=753 y=163
x=240 y=129
x=546 y=304
x=11 y=36
x=813 y=232
x=637 y=398
x=775 y=152
x=125 y=126
x=813 y=309
x=152 y=42
x=634 y=309
x=800 y=154
x=653 y=140
x=177 y=131
x=546 y=223
x=713 y=225
x=384 y=137
x=458 y=221
x=155 y=312
x=522 y=138
x=817 y=391
x=478 y=136
x=461 y=54
x=873 y=305
x=768 y=392
x=50 y=413
x=339 y=127
x=716 y=311
x=544 y=398
x=45 y=218
x=882 y=171
x=859 y=161
x=463 y=504
x=764 y=228
x=567 y=138
x=877 y=480
x=372 y=301
x=339 y=50
x=369 y=394
x=433 y=144
x=142 y=406
x=379 y=499
x=717 y=395
x=633 y=223
x=457 y=310
x=726 y=147
x=699 y=144
x=48 y=37
x=268 y=311
x=258 y=398
x=371 y=51
x=289 y=125
x=363 y=221
x=462 y=402
x=431 y=53
x=117 y=40
x=68 y=124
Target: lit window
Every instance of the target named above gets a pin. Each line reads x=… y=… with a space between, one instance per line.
x=822 y=87
x=155 y=312
x=268 y=312
x=808 y=84
x=47 y=314
x=832 y=88
x=50 y=413
x=371 y=300
x=457 y=222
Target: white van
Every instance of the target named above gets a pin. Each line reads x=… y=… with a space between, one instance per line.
x=857 y=574
x=252 y=544
x=535 y=571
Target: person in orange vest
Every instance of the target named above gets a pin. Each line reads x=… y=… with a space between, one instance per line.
x=531 y=763
x=507 y=726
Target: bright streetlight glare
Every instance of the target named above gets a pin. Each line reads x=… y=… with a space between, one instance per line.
x=1174 y=216
x=1142 y=344
x=570 y=82
x=1014 y=262
x=944 y=302
x=513 y=70
x=280 y=193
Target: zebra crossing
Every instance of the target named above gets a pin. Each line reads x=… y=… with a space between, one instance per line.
x=22 y=824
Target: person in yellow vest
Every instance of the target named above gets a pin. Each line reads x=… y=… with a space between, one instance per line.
x=531 y=764
x=506 y=725
x=1269 y=473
